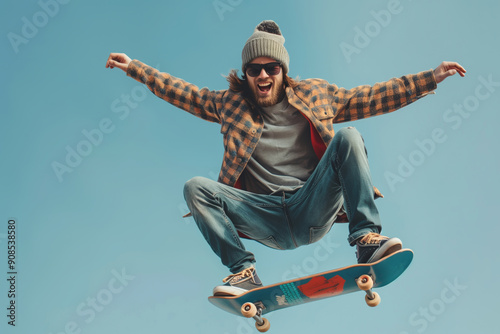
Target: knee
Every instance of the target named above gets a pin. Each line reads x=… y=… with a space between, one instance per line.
x=194 y=187
x=349 y=134
x=349 y=139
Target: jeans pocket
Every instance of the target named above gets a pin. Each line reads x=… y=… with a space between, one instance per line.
x=318 y=232
x=269 y=242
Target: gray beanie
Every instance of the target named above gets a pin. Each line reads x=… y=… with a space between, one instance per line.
x=266 y=41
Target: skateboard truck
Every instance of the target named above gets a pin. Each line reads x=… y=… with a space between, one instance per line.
x=251 y=310
x=365 y=283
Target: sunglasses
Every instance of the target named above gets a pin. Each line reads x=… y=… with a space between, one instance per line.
x=254 y=70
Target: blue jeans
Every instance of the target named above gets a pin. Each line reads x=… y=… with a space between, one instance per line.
x=287 y=221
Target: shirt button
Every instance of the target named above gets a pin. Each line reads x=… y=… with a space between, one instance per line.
x=253 y=131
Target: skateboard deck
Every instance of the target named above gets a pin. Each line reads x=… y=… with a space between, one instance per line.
x=358 y=277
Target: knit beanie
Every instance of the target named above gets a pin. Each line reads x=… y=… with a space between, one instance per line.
x=266 y=41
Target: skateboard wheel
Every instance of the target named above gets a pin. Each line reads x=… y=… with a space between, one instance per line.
x=365 y=282
x=373 y=302
x=264 y=326
x=249 y=310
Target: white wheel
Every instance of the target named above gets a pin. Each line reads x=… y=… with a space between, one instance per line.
x=249 y=310
x=264 y=327
x=365 y=282
x=373 y=302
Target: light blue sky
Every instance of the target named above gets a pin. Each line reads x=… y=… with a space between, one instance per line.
x=110 y=233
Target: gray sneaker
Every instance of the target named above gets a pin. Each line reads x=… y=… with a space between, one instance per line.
x=373 y=246
x=236 y=284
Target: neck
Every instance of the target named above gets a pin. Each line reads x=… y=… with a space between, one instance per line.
x=282 y=105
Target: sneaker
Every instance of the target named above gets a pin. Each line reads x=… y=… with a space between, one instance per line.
x=239 y=283
x=372 y=247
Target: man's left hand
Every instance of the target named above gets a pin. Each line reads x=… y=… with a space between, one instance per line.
x=447 y=69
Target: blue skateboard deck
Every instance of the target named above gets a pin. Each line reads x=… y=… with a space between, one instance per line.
x=319 y=286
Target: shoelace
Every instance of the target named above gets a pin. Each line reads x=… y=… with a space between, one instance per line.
x=239 y=276
x=372 y=238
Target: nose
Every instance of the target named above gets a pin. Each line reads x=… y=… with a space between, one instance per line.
x=263 y=74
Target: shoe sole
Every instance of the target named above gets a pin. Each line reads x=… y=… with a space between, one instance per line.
x=391 y=246
x=228 y=291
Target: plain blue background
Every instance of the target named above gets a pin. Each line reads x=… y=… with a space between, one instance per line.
x=118 y=212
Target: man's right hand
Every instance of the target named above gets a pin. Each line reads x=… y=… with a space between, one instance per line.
x=119 y=60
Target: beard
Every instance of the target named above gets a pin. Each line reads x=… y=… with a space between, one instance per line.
x=277 y=94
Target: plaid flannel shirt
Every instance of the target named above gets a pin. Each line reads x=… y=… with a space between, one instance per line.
x=323 y=104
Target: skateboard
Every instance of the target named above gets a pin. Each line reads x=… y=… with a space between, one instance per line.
x=358 y=277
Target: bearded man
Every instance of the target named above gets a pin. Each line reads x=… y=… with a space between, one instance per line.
x=286 y=176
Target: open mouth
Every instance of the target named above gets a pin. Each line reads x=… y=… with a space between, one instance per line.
x=264 y=87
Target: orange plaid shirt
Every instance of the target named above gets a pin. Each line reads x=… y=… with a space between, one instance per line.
x=322 y=103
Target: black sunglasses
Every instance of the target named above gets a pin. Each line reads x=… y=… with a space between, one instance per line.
x=254 y=70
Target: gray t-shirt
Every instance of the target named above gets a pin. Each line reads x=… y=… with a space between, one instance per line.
x=284 y=157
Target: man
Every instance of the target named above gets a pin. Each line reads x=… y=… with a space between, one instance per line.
x=285 y=177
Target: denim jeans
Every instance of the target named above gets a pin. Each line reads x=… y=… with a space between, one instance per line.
x=287 y=221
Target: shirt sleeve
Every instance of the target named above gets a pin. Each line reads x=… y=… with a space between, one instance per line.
x=367 y=101
x=202 y=103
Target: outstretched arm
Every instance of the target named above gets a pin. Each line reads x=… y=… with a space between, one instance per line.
x=447 y=69
x=366 y=101
x=381 y=98
x=202 y=103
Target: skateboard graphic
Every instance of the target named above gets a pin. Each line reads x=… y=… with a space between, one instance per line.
x=257 y=302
